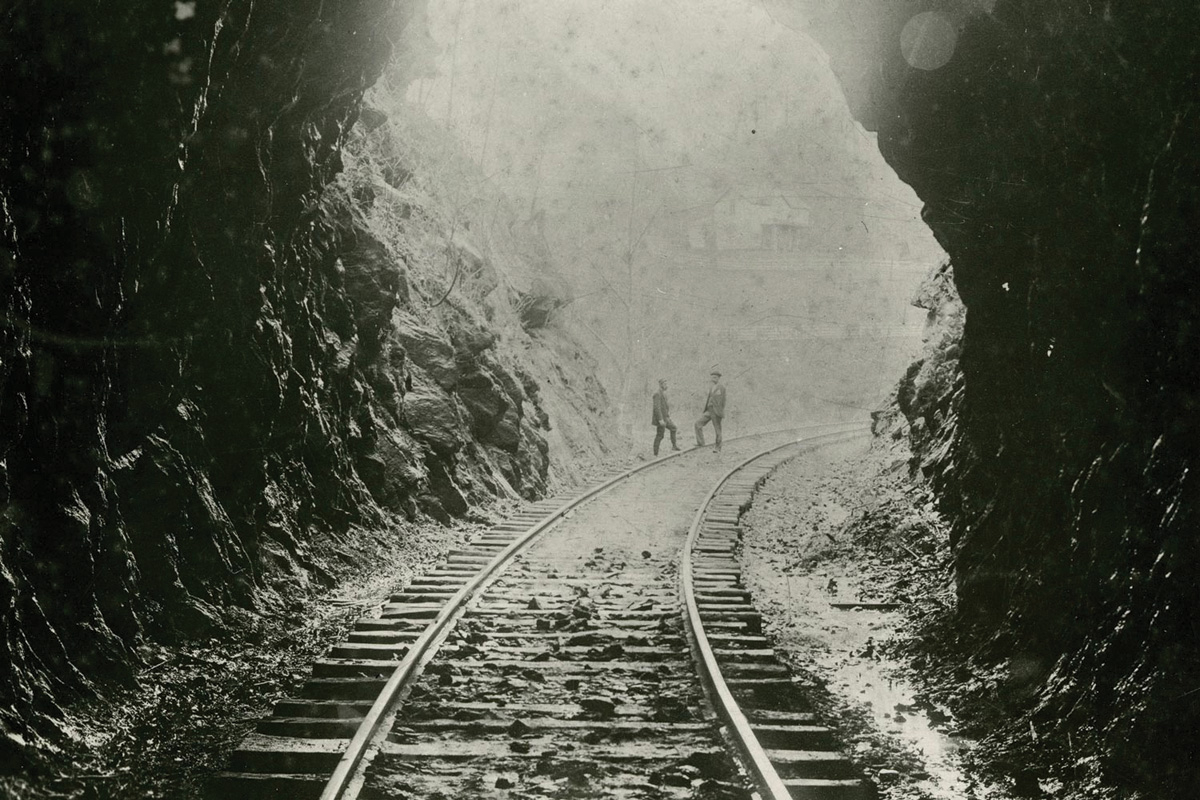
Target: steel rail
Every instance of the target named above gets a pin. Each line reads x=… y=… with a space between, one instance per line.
x=720 y=697
x=343 y=784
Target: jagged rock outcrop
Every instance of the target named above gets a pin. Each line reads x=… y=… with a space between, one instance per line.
x=185 y=336
x=1055 y=146
x=207 y=356
x=928 y=395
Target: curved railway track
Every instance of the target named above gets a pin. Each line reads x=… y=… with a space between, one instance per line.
x=569 y=671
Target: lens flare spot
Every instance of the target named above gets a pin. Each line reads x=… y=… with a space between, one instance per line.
x=927 y=41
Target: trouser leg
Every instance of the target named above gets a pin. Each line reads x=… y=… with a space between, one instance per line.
x=700 y=423
x=671 y=427
x=658 y=436
x=717 y=431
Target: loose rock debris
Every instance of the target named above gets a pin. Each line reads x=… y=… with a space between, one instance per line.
x=832 y=547
x=572 y=677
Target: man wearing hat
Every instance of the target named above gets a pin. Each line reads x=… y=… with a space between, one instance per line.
x=714 y=410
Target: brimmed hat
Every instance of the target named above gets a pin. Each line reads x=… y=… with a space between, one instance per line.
x=716 y=372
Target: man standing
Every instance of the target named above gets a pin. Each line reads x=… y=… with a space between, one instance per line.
x=714 y=410
x=661 y=418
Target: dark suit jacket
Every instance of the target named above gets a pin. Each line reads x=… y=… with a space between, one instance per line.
x=662 y=411
x=716 y=400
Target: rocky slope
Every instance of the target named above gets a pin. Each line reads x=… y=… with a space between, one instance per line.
x=216 y=371
x=1054 y=145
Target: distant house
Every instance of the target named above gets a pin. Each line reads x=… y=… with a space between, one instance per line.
x=743 y=221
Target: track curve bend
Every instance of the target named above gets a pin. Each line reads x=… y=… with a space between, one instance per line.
x=781 y=745
x=560 y=667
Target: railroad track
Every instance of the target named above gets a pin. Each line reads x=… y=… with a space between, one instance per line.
x=578 y=667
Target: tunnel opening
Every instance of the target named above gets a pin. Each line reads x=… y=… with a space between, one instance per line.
x=253 y=328
x=1038 y=145
x=704 y=198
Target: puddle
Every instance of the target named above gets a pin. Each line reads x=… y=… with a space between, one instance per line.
x=839 y=645
x=891 y=704
x=801 y=556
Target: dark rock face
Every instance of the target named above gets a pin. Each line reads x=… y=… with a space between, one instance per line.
x=1057 y=151
x=183 y=348
x=203 y=355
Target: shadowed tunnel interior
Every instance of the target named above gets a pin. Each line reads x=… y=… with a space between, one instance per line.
x=280 y=278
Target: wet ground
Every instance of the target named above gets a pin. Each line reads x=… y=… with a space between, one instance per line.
x=570 y=677
x=164 y=740
x=829 y=556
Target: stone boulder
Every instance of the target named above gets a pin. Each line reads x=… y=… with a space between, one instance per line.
x=428 y=347
x=432 y=414
x=485 y=401
x=506 y=433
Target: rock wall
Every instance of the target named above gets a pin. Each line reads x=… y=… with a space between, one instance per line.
x=497 y=390
x=1055 y=147
x=209 y=364
x=927 y=398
